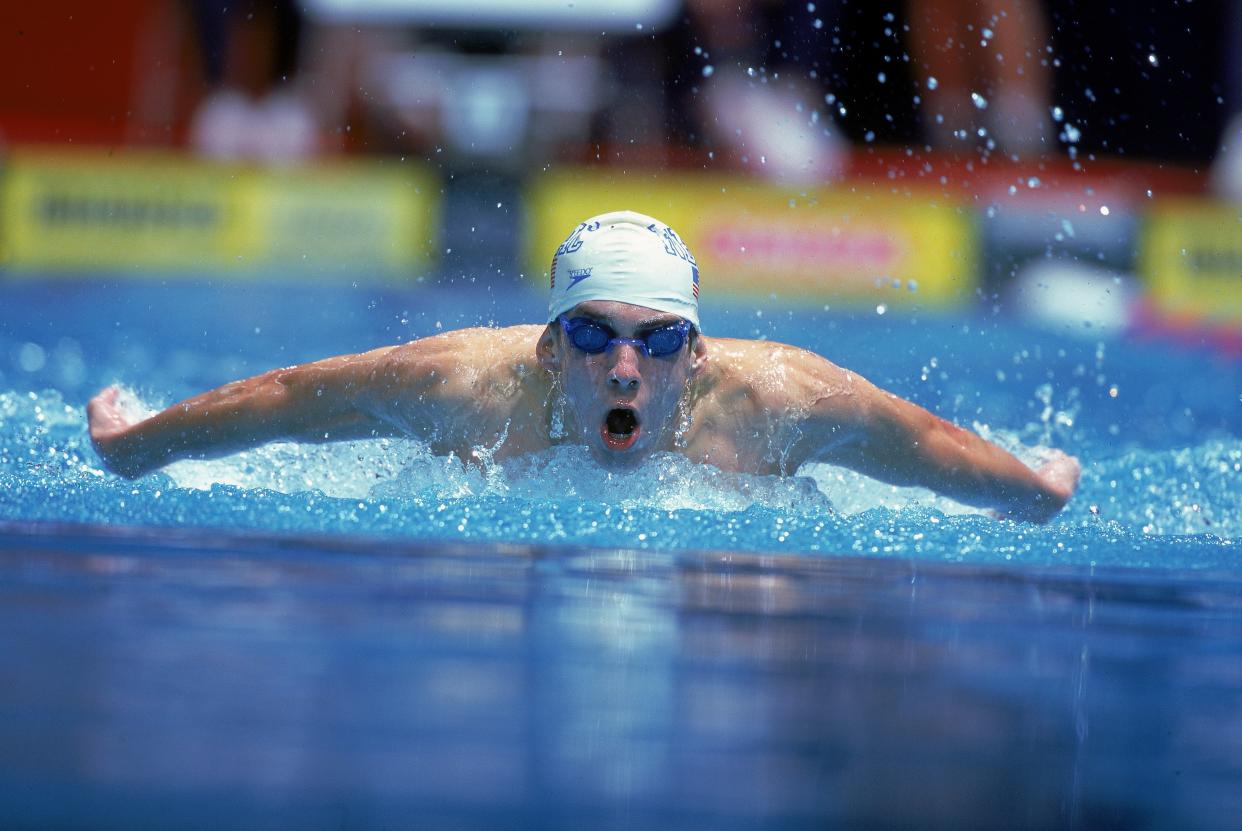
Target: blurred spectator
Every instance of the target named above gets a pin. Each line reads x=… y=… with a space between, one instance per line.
x=984 y=73
x=1227 y=168
x=252 y=110
x=778 y=85
x=484 y=93
x=760 y=93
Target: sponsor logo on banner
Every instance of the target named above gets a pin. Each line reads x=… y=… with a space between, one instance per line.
x=86 y=211
x=753 y=238
x=776 y=246
x=1191 y=260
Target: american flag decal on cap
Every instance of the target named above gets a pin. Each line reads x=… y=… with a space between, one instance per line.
x=694 y=287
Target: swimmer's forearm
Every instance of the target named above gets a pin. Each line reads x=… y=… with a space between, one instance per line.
x=903 y=444
x=965 y=467
x=298 y=404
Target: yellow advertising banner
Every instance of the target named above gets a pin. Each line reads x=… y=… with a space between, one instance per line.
x=82 y=211
x=754 y=238
x=1191 y=260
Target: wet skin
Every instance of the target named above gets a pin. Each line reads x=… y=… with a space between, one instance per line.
x=750 y=406
x=640 y=392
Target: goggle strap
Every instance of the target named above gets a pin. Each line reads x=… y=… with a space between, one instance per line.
x=572 y=327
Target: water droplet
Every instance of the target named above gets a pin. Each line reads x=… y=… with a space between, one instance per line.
x=1032 y=182
x=932 y=83
x=1104 y=210
x=980 y=102
x=708 y=70
x=881 y=77
x=1058 y=114
x=817 y=23
x=750 y=72
x=1153 y=60
x=881 y=309
x=31 y=357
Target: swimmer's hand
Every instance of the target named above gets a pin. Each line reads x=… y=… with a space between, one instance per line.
x=109 y=426
x=1059 y=475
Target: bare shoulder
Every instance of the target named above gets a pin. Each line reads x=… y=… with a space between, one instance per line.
x=474 y=345
x=461 y=387
x=466 y=356
x=775 y=376
x=758 y=405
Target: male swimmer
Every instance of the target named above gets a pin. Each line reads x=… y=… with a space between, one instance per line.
x=622 y=367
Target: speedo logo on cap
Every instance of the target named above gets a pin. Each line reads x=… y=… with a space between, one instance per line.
x=571 y=244
x=624 y=256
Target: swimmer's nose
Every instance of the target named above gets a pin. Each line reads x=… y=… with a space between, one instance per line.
x=624 y=373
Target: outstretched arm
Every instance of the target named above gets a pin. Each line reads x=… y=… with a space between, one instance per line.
x=313 y=402
x=881 y=435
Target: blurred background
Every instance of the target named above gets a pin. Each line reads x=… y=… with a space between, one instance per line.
x=1021 y=214
x=1075 y=164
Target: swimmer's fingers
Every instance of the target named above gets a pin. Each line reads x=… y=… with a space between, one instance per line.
x=104 y=415
x=108 y=423
x=1061 y=474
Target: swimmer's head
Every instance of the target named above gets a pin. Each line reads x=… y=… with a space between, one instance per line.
x=626 y=257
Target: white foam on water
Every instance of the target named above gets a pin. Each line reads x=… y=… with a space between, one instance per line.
x=667 y=481
x=1189 y=490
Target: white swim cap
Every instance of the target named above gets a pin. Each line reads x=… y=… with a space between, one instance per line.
x=628 y=257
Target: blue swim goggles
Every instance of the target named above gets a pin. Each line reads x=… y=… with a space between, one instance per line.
x=593 y=337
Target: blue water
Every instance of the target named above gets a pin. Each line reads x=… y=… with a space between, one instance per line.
x=1157 y=427
x=365 y=636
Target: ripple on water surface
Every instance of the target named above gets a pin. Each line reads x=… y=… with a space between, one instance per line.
x=1166 y=508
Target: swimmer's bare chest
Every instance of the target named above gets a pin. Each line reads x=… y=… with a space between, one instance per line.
x=729 y=454
x=738 y=440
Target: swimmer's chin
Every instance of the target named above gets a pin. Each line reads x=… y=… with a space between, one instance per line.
x=619 y=460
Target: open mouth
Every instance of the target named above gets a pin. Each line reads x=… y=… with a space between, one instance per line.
x=620 y=428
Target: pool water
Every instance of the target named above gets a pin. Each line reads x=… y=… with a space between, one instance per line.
x=364 y=635
x=1157 y=428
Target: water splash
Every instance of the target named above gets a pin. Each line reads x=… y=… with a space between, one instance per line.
x=1137 y=507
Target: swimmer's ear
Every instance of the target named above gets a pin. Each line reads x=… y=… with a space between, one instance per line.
x=548 y=349
x=698 y=352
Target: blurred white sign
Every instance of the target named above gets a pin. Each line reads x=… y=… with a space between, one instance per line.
x=613 y=15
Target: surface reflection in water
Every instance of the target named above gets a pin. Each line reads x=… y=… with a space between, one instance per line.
x=164 y=678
